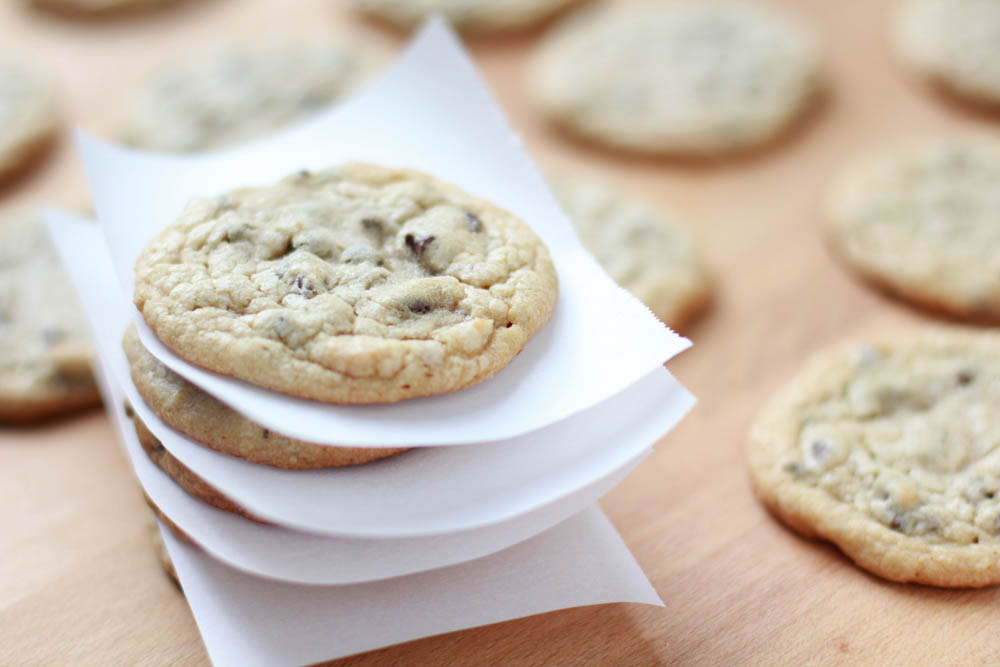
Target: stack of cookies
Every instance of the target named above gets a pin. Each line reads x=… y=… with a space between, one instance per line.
x=360 y=284
x=363 y=374
x=305 y=512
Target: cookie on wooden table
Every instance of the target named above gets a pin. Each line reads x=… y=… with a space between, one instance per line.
x=45 y=350
x=953 y=43
x=224 y=97
x=467 y=15
x=648 y=252
x=356 y=284
x=925 y=224
x=189 y=410
x=695 y=78
x=891 y=450
x=28 y=117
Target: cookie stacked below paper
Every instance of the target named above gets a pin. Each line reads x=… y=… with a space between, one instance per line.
x=530 y=431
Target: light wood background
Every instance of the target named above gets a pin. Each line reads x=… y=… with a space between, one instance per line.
x=78 y=580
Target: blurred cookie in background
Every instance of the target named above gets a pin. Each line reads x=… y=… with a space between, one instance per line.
x=954 y=43
x=682 y=78
x=224 y=97
x=45 y=350
x=481 y=16
x=924 y=223
x=28 y=117
x=646 y=251
x=96 y=7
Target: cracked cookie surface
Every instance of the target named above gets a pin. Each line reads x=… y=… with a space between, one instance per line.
x=357 y=284
x=953 y=42
x=648 y=252
x=467 y=15
x=45 y=349
x=891 y=450
x=27 y=115
x=189 y=410
x=679 y=77
x=925 y=223
x=225 y=97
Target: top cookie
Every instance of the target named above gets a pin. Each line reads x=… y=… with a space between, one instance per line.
x=358 y=284
x=925 y=223
x=44 y=348
x=466 y=15
x=645 y=251
x=223 y=98
x=27 y=115
x=685 y=77
x=954 y=42
x=892 y=451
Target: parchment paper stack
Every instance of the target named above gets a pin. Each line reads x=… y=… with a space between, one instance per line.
x=492 y=516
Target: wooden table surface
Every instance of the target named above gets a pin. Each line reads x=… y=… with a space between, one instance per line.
x=78 y=580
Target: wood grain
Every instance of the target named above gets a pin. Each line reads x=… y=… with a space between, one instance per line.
x=78 y=580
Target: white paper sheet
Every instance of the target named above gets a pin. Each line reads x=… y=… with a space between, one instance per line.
x=424 y=492
x=296 y=557
x=430 y=111
x=251 y=622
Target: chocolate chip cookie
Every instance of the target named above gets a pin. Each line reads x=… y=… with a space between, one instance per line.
x=185 y=478
x=953 y=43
x=675 y=77
x=891 y=450
x=27 y=115
x=188 y=410
x=357 y=284
x=646 y=251
x=45 y=349
x=924 y=223
x=225 y=97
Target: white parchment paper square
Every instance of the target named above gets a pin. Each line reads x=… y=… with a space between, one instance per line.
x=287 y=555
x=246 y=621
x=432 y=112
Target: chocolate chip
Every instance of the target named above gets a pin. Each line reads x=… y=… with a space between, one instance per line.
x=238 y=233
x=266 y=433
x=475 y=224
x=419 y=306
x=372 y=225
x=897 y=522
x=820 y=449
x=127 y=408
x=418 y=245
x=305 y=285
x=964 y=377
x=793 y=467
